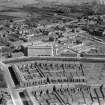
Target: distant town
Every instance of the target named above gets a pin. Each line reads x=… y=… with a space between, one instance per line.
x=54 y=55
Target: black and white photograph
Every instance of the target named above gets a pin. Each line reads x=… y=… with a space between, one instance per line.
x=52 y=52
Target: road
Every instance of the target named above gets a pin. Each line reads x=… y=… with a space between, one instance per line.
x=88 y=59
x=14 y=95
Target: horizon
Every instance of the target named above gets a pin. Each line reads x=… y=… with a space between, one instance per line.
x=6 y=6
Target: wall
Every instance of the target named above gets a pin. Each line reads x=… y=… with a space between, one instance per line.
x=39 y=51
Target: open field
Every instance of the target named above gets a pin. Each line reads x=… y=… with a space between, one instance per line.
x=17 y=3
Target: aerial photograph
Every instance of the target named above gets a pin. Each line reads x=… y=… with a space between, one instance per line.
x=52 y=52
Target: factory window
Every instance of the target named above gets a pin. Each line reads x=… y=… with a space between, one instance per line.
x=27 y=84
x=32 y=83
x=83 y=80
x=65 y=80
x=73 y=80
x=70 y=80
x=76 y=80
x=79 y=80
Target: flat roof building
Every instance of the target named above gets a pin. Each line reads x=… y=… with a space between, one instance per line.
x=39 y=49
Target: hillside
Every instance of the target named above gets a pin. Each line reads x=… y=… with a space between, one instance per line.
x=14 y=3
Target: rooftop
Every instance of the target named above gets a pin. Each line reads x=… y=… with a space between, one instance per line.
x=37 y=44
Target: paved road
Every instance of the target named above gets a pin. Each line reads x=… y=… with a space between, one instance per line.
x=16 y=100
x=64 y=59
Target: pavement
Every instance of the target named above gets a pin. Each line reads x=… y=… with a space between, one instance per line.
x=14 y=95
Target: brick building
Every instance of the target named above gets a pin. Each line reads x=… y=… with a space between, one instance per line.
x=40 y=49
